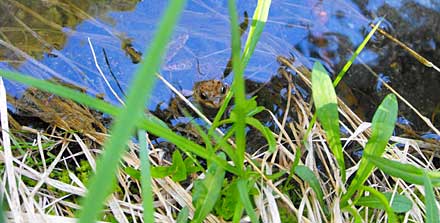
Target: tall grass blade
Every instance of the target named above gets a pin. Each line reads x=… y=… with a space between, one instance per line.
x=238 y=87
x=244 y=197
x=101 y=184
x=355 y=54
x=258 y=22
x=382 y=127
x=147 y=195
x=183 y=215
x=326 y=105
x=432 y=215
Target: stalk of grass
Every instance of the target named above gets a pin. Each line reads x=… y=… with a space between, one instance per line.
x=101 y=184
x=238 y=87
x=432 y=211
x=147 y=195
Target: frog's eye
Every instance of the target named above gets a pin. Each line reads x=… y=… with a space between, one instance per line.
x=223 y=90
x=203 y=96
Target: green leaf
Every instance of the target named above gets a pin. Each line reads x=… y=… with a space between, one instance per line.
x=132 y=172
x=400 y=204
x=382 y=127
x=161 y=171
x=432 y=215
x=178 y=167
x=380 y=197
x=406 y=172
x=326 y=104
x=308 y=176
x=244 y=197
x=183 y=215
x=265 y=131
x=207 y=191
x=225 y=206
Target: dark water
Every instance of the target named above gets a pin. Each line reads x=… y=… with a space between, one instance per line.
x=46 y=40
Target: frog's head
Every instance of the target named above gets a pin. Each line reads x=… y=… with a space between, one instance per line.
x=210 y=93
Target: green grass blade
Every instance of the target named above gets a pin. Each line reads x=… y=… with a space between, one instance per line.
x=244 y=197
x=406 y=172
x=258 y=22
x=139 y=92
x=432 y=215
x=355 y=54
x=207 y=191
x=147 y=194
x=238 y=87
x=326 y=104
x=183 y=215
x=308 y=176
x=343 y=71
x=400 y=204
x=382 y=127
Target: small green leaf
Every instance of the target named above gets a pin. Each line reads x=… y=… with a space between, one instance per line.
x=183 y=215
x=400 y=204
x=326 y=104
x=178 y=167
x=132 y=172
x=207 y=191
x=432 y=215
x=308 y=176
x=161 y=171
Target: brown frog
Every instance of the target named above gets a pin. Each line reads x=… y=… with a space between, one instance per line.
x=210 y=93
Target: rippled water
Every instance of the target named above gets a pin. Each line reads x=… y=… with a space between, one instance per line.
x=50 y=39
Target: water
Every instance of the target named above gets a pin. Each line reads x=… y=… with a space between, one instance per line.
x=55 y=44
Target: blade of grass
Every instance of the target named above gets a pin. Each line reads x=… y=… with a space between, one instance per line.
x=355 y=54
x=406 y=172
x=342 y=73
x=432 y=215
x=326 y=104
x=258 y=22
x=237 y=86
x=308 y=176
x=147 y=195
x=244 y=197
x=382 y=128
x=139 y=93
